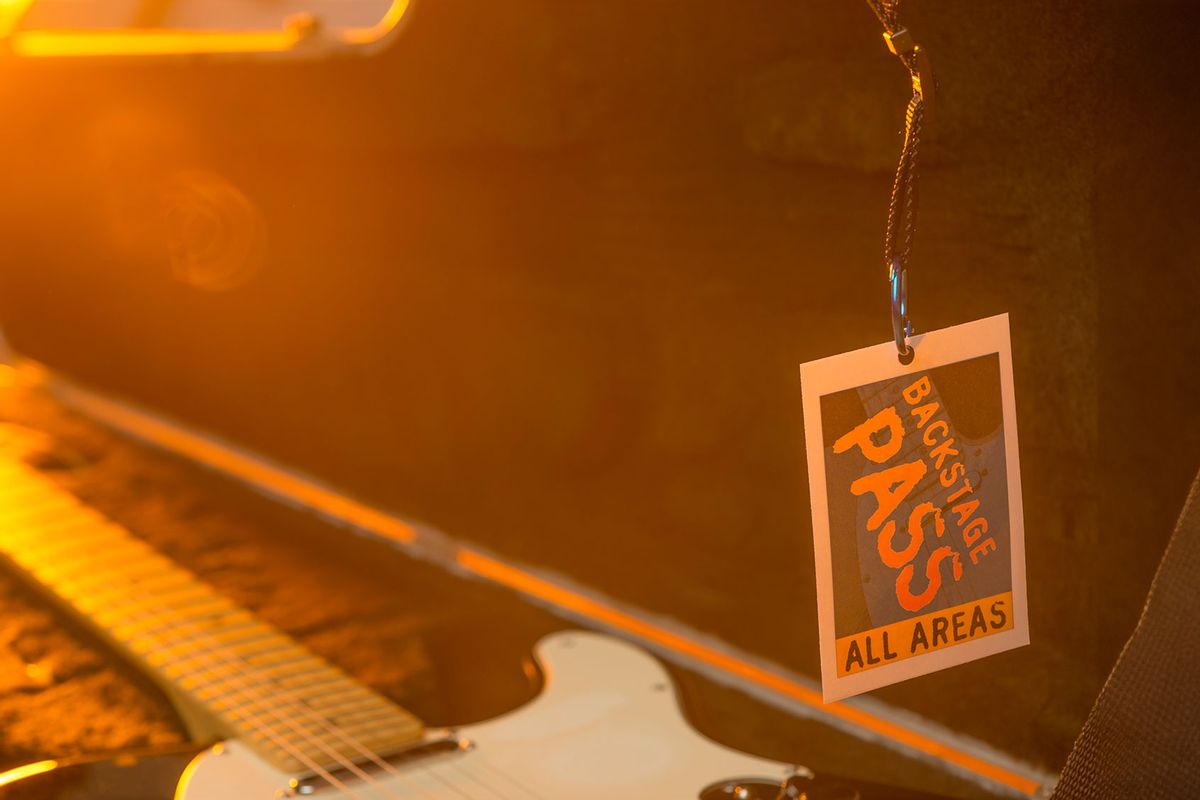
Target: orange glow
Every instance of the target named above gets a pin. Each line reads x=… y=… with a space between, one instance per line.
x=186 y=776
x=380 y=29
x=533 y=586
x=11 y=12
x=74 y=43
x=26 y=771
x=145 y=43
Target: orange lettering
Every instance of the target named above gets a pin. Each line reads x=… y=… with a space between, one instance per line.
x=923 y=413
x=955 y=471
x=916 y=536
x=986 y=546
x=973 y=531
x=917 y=389
x=889 y=486
x=927 y=438
x=910 y=602
x=965 y=510
x=864 y=436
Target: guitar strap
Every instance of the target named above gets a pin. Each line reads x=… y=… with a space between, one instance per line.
x=1141 y=738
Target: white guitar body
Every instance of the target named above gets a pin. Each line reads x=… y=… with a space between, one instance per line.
x=607 y=725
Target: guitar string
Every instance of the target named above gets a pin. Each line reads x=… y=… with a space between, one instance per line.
x=286 y=746
x=242 y=690
x=258 y=724
x=468 y=775
x=349 y=739
x=329 y=726
x=487 y=765
x=263 y=728
x=508 y=776
x=164 y=635
x=377 y=759
x=173 y=626
x=237 y=663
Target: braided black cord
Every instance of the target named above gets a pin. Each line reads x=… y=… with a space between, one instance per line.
x=902 y=211
x=886 y=11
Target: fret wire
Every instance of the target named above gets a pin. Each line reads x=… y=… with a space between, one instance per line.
x=309 y=667
x=43 y=511
x=173 y=597
x=71 y=551
x=147 y=581
x=42 y=506
x=138 y=573
x=351 y=719
x=247 y=645
x=31 y=537
x=164 y=627
x=335 y=699
x=177 y=661
x=135 y=576
x=69 y=532
x=271 y=660
x=323 y=678
x=112 y=596
x=12 y=491
x=252 y=639
x=356 y=704
x=164 y=624
x=54 y=575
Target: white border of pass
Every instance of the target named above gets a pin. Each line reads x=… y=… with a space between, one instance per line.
x=878 y=363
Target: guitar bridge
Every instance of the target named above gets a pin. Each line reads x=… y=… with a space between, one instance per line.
x=436 y=746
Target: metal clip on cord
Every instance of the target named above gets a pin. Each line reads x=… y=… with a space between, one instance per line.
x=901 y=44
x=901 y=324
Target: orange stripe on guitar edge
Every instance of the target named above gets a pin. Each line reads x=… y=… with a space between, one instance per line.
x=534 y=586
x=250 y=469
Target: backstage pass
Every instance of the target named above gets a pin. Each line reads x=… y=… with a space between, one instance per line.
x=916 y=504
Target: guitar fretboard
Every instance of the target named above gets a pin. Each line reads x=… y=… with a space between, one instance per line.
x=254 y=682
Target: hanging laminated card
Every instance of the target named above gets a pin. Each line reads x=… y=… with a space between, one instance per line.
x=916 y=504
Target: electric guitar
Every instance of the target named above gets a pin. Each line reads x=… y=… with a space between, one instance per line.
x=290 y=724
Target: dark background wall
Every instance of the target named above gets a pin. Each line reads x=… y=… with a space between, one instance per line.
x=542 y=273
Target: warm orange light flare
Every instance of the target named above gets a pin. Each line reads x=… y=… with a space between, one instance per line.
x=148 y=43
x=11 y=12
x=26 y=771
x=165 y=42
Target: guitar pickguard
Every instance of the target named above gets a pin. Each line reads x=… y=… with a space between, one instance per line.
x=606 y=725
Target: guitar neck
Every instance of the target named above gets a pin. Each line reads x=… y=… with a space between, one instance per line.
x=250 y=680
